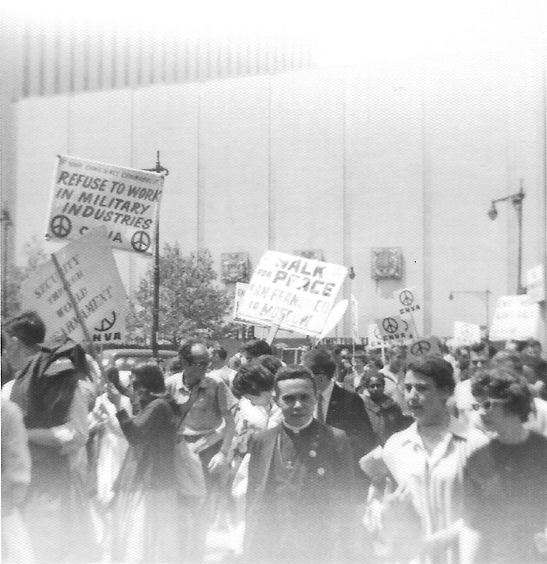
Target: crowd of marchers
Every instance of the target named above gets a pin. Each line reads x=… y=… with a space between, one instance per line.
x=369 y=456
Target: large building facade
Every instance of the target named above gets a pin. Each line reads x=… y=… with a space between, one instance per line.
x=339 y=161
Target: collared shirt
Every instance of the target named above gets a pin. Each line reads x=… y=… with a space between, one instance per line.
x=297 y=429
x=213 y=402
x=225 y=373
x=435 y=480
x=324 y=398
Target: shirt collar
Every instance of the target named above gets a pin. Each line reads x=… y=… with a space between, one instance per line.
x=297 y=429
x=455 y=428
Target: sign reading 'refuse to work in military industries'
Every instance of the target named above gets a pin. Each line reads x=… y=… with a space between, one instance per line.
x=292 y=292
x=89 y=270
x=88 y=194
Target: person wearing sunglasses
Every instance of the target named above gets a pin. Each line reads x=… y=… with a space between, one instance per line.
x=505 y=481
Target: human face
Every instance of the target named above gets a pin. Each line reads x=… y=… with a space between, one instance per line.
x=425 y=400
x=195 y=368
x=359 y=364
x=263 y=399
x=491 y=412
x=375 y=387
x=396 y=362
x=296 y=398
x=478 y=359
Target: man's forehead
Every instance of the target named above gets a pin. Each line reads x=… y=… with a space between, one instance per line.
x=295 y=385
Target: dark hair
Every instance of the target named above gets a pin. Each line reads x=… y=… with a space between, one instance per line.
x=221 y=352
x=395 y=350
x=532 y=343
x=504 y=383
x=483 y=346
x=112 y=374
x=256 y=348
x=150 y=377
x=320 y=361
x=185 y=349
x=270 y=362
x=436 y=368
x=28 y=327
x=509 y=359
x=252 y=379
x=293 y=372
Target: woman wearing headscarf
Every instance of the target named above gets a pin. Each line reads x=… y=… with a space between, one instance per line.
x=145 y=506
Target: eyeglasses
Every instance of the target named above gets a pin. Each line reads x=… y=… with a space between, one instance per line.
x=488 y=404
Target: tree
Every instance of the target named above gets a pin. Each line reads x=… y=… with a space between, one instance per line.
x=190 y=303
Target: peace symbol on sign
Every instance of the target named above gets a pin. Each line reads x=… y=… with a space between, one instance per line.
x=421 y=347
x=107 y=323
x=140 y=241
x=60 y=225
x=406 y=324
x=406 y=297
x=390 y=325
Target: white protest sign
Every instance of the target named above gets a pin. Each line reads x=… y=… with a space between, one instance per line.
x=535 y=283
x=422 y=347
x=90 y=271
x=466 y=334
x=516 y=317
x=240 y=290
x=89 y=194
x=375 y=340
x=335 y=316
x=407 y=300
x=394 y=329
x=292 y=292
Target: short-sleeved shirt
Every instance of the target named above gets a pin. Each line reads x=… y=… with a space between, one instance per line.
x=506 y=498
x=213 y=402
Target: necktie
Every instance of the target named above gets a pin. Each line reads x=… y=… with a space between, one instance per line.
x=320 y=414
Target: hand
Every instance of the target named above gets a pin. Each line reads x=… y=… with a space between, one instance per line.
x=114 y=395
x=218 y=462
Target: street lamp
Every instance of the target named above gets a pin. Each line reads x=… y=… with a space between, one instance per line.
x=516 y=200
x=485 y=293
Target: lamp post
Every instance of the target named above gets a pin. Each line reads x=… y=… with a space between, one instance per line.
x=516 y=200
x=486 y=293
x=156 y=272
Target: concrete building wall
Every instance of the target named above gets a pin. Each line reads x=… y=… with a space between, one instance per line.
x=340 y=159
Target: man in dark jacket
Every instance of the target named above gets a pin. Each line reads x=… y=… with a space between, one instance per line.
x=301 y=481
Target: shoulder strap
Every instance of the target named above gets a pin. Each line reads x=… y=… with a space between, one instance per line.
x=185 y=408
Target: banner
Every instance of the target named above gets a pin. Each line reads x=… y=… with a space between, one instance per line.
x=535 y=283
x=394 y=329
x=89 y=194
x=516 y=317
x=466 y=334
x=90 y=271
x=292 y=292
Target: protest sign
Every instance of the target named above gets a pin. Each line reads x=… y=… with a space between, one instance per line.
x=88 y=194
x=89 y=270
x=466 y=334
x=516 y=317
x=294 y=293
x=375 y=340
x=535 y=283
x=394 y=329
x=335 y=316
x=407 y=301
x=421 y=347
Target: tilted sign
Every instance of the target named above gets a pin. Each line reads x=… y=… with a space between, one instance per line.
x=89 y=268
x=516 y=317
x=89 y=194
x=292 y=292
x=535 y=283
x=394 y=329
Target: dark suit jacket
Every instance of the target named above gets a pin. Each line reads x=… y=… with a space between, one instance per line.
x=326 y=483
x=347 y=411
